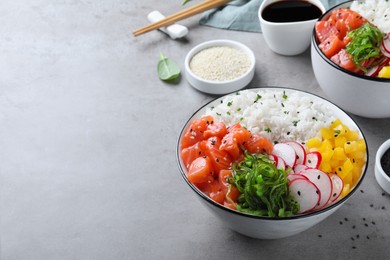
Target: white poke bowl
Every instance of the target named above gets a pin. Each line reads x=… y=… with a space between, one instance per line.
x=218 y=87
x=358 y=94
x=268 y=227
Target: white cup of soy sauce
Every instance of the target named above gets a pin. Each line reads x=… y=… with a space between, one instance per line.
x=287 y=25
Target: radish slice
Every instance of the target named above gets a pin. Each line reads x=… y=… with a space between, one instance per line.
x=300 y=167
x=385 y=46
x=281 y=164
x=273 y=158
x=373 y=71
x=306 y=193
x=323 y=182
x=313 y=159
x=286 y=152
x=293 y=176
x=338 y=186
x=299 y=150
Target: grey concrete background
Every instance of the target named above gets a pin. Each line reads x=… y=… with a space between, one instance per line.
x=88 y=136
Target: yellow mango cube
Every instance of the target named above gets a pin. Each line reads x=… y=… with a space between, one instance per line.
x=384 y=72
x=348 y=179
x=356 y=172
x=327 y=155
x=360 y=155
x=325 y=146
x=351 y=146
x=344 y=173
x=347 y=166
x=341 y=129
x=361 y=145
x=326 y=133
x=335 y=123
x=352 y=135
x=339 y=154
x=325 y=167
x=345 y=191
x=358 y=162
x=339 y=141
x=313 y=143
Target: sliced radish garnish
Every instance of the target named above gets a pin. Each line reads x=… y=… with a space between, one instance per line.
x=385 y=46
x=286 y=152
x=306 y=193
x=273 y=158
x=300 y=152
x=338 y=186
x=313 y=159
x=300 y=167
x=373 y=71
x=281 y=164
x=293 y=176
x=323 y=182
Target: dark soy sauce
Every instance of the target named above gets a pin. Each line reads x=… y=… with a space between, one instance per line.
x=291 y=11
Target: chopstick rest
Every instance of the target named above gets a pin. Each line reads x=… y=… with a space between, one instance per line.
x=174 y=31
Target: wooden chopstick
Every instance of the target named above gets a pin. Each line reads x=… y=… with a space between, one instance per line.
x=193 y=10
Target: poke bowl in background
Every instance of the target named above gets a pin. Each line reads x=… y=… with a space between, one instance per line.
x=272 y=162
x=359 y=83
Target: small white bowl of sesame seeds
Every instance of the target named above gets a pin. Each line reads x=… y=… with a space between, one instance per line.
x=220 y=66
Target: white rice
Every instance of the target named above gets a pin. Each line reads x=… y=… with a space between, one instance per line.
x=375 y=11
x=277 y=115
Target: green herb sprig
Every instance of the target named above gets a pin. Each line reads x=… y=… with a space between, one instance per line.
x=167 y=69
x=365 y=44
x=263 y=188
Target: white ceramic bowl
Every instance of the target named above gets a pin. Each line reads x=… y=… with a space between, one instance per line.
x=382 y=178
x=220 y=87
x=359 y=94
x=266 y=227
x=289 y=38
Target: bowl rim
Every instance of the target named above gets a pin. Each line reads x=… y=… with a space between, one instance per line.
x=235 y=212
x=326 y=59
x=381 y=151
x=216 y=43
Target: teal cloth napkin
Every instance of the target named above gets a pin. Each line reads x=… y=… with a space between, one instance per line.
x=241 y=15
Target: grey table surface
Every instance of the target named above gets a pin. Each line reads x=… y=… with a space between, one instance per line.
x=88 y=136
